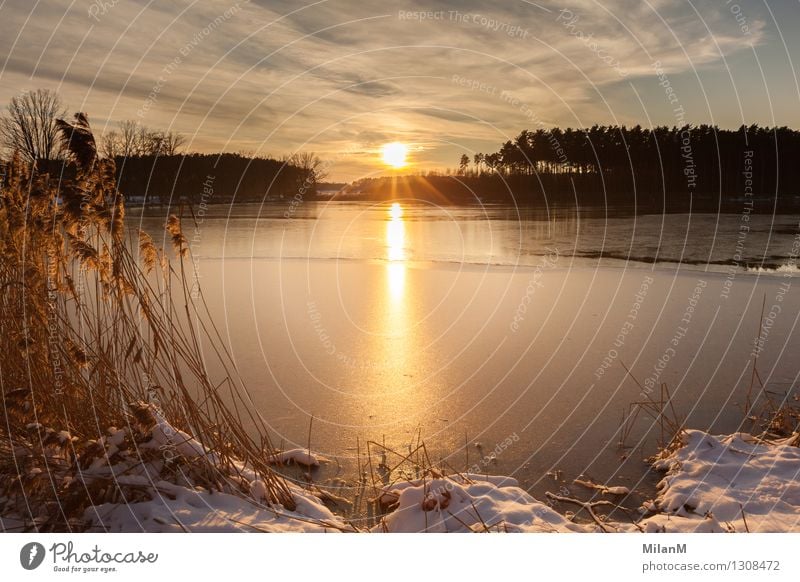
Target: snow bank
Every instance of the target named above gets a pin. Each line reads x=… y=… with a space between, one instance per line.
x=177 y=507
x=166 y=435
x=732 y=483
x=728 y=483
x=466 y=504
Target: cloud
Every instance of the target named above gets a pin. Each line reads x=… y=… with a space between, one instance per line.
x=279 y=76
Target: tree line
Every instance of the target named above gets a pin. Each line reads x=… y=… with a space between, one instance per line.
x=663 y=166
x=149 y=164
x=209 y=178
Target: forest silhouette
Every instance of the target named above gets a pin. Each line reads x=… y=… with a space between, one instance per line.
x=664 y=168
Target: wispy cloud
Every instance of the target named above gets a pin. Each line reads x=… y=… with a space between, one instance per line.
x=277 y=76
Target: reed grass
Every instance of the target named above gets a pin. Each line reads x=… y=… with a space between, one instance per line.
x=98 y=333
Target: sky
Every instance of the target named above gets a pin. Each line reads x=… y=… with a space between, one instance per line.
x=341 y=78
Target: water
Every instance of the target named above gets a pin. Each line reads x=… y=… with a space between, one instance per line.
x=468 y=325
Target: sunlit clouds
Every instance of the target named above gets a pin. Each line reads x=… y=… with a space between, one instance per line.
x=276 y=77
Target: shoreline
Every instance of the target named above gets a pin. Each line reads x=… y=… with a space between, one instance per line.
x=584 y=265
x=731 y=208
x=710 y=484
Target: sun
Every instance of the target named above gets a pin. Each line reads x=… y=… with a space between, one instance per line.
x=394 y=154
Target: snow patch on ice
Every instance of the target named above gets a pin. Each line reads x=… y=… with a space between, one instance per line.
x=297 y=456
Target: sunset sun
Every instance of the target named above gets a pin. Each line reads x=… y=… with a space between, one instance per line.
x=394 y=154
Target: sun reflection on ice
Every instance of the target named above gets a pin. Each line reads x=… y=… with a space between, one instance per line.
x=396 y=252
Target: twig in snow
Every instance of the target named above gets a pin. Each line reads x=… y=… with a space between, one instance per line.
x=744 y=518
x=587 y=505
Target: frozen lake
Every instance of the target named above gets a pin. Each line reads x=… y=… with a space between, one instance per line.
x=467 y=324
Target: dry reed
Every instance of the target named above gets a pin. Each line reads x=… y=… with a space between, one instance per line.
x=98 y=330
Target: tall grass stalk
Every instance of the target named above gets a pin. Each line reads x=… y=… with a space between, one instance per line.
x=98 y=332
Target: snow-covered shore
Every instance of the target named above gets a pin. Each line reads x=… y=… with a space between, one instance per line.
x=731 y=483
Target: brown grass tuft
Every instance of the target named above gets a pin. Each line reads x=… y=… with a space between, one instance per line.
x=94 y=337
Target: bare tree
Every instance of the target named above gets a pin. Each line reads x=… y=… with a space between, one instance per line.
x=311 y=163
x=137 y=140
x=29 y=126
x=111 y=145
x=171 y=142
x=151 y=142
x=129 y=138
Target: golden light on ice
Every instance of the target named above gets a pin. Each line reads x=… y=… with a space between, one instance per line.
x=396 y=234
x=396 y=252
x=394 y=154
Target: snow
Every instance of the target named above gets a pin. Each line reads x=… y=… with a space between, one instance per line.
x=729 y=483
x=605 y=489
x=178 y=509
x=297 y=456
x=175 y=508
x=165 y=435
x=469 y=504
x=733 y=483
